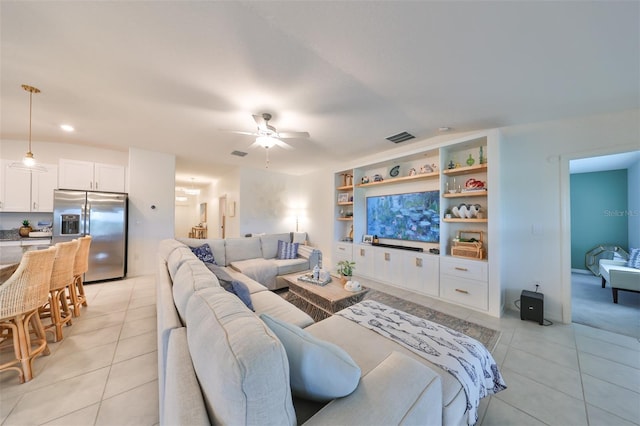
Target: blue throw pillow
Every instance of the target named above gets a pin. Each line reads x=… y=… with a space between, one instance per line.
x=241 y=290
x=318 y=370
x=634 y=258
x=287 y=250
x=204 y=253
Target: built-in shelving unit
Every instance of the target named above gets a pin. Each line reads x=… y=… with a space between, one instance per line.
x=459 y=165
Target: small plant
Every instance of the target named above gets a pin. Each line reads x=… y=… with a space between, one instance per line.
x=346 y=267
x=26 y=223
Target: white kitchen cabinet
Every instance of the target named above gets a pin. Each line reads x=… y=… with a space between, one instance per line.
x=89 y=176
x=421 y=272
x=42 y=187
x=23 y=191
x=15 y=194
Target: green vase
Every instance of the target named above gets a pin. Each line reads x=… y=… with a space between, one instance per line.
x=470 y=161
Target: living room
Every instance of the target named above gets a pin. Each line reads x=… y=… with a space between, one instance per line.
x=574 y=87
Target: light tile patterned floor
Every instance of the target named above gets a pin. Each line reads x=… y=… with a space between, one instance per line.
x=105 y=371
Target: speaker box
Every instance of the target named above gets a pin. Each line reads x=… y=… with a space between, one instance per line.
x=532 y=306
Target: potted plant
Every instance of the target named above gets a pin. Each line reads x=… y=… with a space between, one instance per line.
x=25 y=228
x=345 y=269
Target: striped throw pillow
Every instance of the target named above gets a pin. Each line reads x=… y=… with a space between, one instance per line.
x=634 y=258
x=287 y=250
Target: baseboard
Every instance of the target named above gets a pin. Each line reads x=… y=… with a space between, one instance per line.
x=581 y=271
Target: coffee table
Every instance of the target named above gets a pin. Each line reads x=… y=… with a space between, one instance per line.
x=321 y=302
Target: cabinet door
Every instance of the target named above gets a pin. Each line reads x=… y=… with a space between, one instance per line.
x=74 y=174
x=363 y=256
x=16 y=189
x=108 y=177
x=42 y=187
x=387 y=265
x=422 y=273
x=342 y=251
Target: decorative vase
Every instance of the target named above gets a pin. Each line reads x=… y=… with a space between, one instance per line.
x=470 y=161
x=481 y=156
x=344 y=279
x=24 y=231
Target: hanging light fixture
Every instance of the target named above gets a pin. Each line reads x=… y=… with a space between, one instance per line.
x=28 y=162
x=192 y=190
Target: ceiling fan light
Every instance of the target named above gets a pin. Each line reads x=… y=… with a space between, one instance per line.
x=265 y=141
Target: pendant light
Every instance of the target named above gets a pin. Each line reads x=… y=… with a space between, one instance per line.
x=28 y=162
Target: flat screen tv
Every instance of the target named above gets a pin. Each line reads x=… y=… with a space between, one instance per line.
x=414 y=216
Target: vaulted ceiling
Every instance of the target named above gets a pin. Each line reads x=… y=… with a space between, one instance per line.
x=169 y=76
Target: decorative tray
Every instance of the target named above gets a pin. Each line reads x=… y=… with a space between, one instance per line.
x=308 y=278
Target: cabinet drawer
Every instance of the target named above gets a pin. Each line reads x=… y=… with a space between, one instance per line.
x=343 y=251
x=465 y=292
x=470 y=269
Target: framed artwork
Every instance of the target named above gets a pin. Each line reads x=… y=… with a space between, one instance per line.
x=203 y=212
x=343 y=197
x=367 y=239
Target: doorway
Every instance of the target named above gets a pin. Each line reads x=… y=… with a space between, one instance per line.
x=584 y=299
x=222 y=216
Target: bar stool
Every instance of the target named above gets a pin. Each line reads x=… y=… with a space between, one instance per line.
x=62 y=278
x=80 y=266
x=21 y=296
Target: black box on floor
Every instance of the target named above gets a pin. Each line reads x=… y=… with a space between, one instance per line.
x=532 y=306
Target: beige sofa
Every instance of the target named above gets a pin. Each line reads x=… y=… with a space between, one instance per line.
x=255 y=257
x=219 y=363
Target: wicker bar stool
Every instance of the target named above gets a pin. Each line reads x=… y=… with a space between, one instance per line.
x=20 y=298
x=80 y=266
x=62 y=278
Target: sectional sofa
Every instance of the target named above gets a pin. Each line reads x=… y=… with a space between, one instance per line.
x=220 y=363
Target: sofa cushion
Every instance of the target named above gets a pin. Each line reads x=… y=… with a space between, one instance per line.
x=289 y=266
x=176 y=258
x=192 y=275
x=241 y=365
x=225 y=273
x=267 y=302
x=269 y=244
x=320 y=371
x=167 y=246
x=217 y=247
x=262 y=270
x=204 y=253
x=242 y=249
x=299 y=237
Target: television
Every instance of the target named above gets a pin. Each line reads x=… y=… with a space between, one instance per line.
x=413 y=216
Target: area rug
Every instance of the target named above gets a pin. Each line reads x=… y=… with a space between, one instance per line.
x=487 y=336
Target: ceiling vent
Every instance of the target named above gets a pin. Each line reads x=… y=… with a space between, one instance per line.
x=239 y=153
x=400 y=137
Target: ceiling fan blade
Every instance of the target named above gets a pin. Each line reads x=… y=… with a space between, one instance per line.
x=239 y=132
x=282 y=144
x=260 y=121
x=291 y=135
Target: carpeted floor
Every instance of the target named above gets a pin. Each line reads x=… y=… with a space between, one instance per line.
x=488 y=337
x=593 y=305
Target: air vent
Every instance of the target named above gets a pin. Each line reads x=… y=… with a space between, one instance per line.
x=239 y=153
x=400 y=137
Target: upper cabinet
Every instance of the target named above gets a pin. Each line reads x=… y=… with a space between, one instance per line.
x=23 y=191
x=88 y=176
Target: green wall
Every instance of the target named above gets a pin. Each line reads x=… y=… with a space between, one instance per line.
x=598 y=212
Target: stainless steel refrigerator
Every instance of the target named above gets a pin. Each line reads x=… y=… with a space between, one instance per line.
x=103 y=215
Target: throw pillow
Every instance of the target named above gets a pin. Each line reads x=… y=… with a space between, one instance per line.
x=287 y=250
x=236 y=287
x=634 y=258
x=318 y=370
x=204 y=253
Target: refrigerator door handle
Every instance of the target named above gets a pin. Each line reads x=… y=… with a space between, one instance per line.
x=88 y=220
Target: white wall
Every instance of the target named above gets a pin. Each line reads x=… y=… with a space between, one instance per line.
x=152 y=184
x=229 y=186
x=535 y=199
x=633 y=197
x=317 y=199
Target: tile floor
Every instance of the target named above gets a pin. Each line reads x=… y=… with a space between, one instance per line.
x=105 y=371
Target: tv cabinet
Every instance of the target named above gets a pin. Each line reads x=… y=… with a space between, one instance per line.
x=426 y=166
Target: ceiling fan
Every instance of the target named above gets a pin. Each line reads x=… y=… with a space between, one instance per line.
x=267 y=136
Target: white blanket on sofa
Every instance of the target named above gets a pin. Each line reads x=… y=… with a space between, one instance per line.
x=460 y=355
